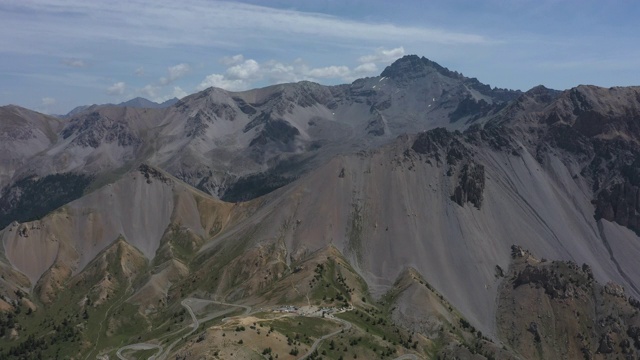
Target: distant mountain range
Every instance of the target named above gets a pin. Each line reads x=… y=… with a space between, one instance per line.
x=138 y=102
x=437 y=216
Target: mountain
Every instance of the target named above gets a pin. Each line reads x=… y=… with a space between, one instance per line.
x=23 y=134
x=218 y=140
x=417 y=214
x=143 y=103
x=138 y=102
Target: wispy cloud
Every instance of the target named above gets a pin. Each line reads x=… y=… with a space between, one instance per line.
x=48 y=101
x=219 y=81
x=52 y=25
x=243 y=74
x=117 y=88
x=151 y=91
x=366 y=68
x=178 y=93
x=174 y=73
x=75 y=63
x=156 y=93
x=383 y=55
x=47 y=104
x=331 y=72
x=77 y=79
x=232 y=60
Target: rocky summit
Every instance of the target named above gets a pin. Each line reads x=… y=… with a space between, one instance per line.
x=419 y=214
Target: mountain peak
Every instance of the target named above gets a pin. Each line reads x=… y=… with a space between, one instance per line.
x=413 y=66
x=140 y=102
x=543 y=93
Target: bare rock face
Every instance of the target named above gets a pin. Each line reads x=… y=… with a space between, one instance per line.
x=470 y=185
x=497 y=137
x=471 y=108
x=556 y=309
x=442 y=145
x=546 y=278
x=620 y=203
x=277 y=131
x=614 y=289
x=413 y=67
x=151 y=174
x=596 y=131
x=375 y=127
x=197 y=125
x=93 y=129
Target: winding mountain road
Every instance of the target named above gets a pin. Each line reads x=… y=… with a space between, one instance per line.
x=163 y=353
x=314 y=347
x=137 y=347
x=407 y=357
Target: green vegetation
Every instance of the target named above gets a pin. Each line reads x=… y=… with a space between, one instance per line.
x=256 y=185
x=328 y=286
x=140 y=354
x=32 y=198
x=89 y=313
x=182 y=242
x=108 y=177
x=303 y=329
x=104 y=320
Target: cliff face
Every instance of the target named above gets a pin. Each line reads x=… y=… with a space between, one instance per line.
x=555 y=309
x=596 y=130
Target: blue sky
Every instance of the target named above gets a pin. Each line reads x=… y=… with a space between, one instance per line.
x=57 y=54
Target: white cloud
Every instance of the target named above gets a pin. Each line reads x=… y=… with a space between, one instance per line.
x=178 y=71
x=220 y=81
x=178 y=93
x=155 y=93
x=366 y=68
x=150 y=91
x=139 y=71
x=330 y=72
x=47 y=105
x=75 y=63
x=117 y=88
x=243 y=74
x=281 y=73
x=232 y=60
x=48 y=101
x=175 y=73
x=249 y=69
x=383 y=55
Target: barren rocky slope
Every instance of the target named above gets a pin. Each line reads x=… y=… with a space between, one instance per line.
x=23 y=134
x=415 y=184
x=216 y=139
